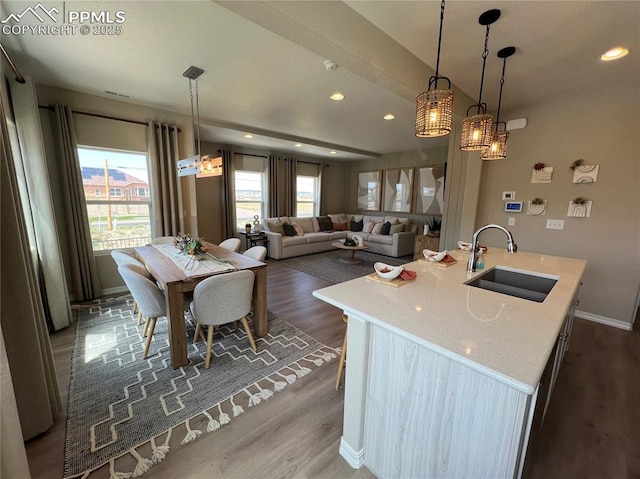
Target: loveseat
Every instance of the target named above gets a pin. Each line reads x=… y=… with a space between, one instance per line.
x=316 y=234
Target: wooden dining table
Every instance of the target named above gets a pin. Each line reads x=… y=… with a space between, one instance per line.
x=175 y=281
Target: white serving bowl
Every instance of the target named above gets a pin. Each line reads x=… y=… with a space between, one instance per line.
x=388 y=272
x=464 y=246
x=434 y=256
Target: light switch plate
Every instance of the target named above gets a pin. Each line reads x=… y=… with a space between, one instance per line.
x=555 y=224
x=512 y=220
x=508 y=195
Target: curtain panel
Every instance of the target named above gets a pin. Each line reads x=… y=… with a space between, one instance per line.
x=164 y=153
x=85 y=280
x=290 y=188
x=273 y=189
x=228 y=194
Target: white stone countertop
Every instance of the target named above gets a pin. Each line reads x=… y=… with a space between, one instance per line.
x=503 y=336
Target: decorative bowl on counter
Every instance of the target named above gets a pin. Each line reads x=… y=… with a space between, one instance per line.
x=464 y=246
x=387 y=272
x=434 y=256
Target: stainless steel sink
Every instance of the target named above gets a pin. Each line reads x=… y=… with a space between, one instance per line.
x=521 y=284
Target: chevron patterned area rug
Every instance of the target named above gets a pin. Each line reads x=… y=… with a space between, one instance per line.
x=126 y=414
x=327 y=265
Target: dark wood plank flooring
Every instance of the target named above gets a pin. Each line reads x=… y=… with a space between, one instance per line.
x=592 y=429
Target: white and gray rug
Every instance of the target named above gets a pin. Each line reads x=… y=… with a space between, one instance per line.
x=127 y=414
x=327 y=265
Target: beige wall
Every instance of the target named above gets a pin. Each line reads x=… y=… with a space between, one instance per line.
x=603 y=129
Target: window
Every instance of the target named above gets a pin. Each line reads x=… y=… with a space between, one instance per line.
x=116 y=219
x=142 y=192
x=250 y=197
x=306 y=196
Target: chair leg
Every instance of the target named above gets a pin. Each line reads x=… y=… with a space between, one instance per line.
x=151 y=328
x=249 y=335
x=343 y=357
x=197 y=333
x=139 y=318
x=134 y=309
x=207 y=360
x=145 y=327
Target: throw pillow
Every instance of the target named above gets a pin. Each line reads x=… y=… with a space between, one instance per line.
x=356 y=226
x=339 y=226
x=289 y=230
x=275 y=226
x=376 y=229
x=385 y=228
x=298 y=228
x=399 y=228
x=324 y=222
x=368 y=227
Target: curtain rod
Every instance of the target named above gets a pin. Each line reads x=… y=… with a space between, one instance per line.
x=19 y=77
x=106 y=117
x=265 y=157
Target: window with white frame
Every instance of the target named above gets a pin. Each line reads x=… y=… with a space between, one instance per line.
x=250 y=195
x=306 y=196
x=116 y=220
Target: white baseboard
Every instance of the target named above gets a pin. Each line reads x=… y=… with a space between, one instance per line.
x=116 y=290
x=354 y=458
x=616 y=323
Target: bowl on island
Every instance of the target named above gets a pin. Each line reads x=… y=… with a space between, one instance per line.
x=434 y=256
x=387 y=272
x=464 y=246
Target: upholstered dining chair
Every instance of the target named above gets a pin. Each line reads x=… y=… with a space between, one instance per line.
x=258 y=253
x=163 y=240
x=149 y=297
x=232 y=244
x=120 y=257
x=222 y=299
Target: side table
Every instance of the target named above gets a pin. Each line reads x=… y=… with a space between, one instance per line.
x=425 y=242
x=256 y=239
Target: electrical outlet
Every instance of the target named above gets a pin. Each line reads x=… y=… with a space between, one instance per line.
x=512 y=220
x=555 y=224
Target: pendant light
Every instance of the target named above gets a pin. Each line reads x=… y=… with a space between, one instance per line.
x=477 y=129
x=201 y=166
x=434 y=108
x=498 y=148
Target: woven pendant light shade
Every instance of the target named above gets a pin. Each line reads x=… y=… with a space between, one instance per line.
x=434 y=113
x=476 y=132
x=498 y=148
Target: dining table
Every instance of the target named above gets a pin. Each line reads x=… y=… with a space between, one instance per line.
x=178 y=274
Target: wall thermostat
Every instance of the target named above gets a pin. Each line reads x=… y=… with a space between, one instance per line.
x=513 y=206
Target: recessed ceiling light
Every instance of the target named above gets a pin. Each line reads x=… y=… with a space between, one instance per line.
x=333 y=152
x=337 y=96
x=298 y=145
x=389 y=116
x=248 y=136
x=614 y=54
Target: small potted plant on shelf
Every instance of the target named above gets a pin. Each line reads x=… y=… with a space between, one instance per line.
x=247 y=227
x=434 y=225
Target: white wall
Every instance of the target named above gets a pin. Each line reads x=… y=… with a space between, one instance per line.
x=602 y=128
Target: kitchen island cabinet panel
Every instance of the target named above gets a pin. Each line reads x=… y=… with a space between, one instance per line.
x=429 y=416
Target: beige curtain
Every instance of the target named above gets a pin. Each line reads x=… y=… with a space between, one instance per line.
x=164 y=154
x=290 y=186
x=22 y=309
x=85 y=279
x=322 y=188
x=273 y=192
x=229 y=194
x=34 y=187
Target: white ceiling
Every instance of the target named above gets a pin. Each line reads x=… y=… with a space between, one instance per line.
x=264 y=62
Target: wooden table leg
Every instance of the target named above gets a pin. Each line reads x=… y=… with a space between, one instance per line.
x=177 y=328
x=260 y=313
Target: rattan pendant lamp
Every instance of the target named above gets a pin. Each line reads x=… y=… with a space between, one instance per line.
x=477 y=129
x=498 y=148
x=434 y=108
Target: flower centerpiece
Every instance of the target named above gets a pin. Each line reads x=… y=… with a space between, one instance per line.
x=193 y=246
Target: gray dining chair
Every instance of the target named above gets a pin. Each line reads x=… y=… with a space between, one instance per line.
x=232 y=244
x=222 y=299
x=122 y=258
x=150 y=299
x=258 y=253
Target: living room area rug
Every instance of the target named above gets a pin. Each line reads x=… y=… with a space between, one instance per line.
x=126 y=413
x=327 y=265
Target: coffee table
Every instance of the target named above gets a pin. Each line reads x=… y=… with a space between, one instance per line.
x=352 y=251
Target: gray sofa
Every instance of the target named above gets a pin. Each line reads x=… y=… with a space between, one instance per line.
x=315 y=240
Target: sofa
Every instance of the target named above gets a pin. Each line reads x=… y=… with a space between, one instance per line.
x=316 y=234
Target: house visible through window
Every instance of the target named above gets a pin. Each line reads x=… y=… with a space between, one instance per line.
x=250 y=197
x=117 y=218
x=306 y=196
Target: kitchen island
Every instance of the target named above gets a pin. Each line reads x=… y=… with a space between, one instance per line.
x=447 y=380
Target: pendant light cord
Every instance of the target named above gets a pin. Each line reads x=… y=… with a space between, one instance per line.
x=440 y=38
x=504 y=66
x=485 y=53
x=195 y=118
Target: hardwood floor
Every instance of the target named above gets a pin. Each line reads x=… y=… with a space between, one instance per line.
x=592 y=429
